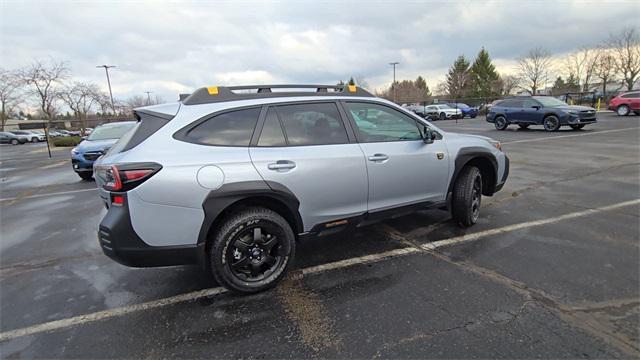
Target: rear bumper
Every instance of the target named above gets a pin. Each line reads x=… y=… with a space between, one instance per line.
x=120 y=242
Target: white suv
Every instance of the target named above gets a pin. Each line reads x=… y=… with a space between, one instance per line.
x=231 y=177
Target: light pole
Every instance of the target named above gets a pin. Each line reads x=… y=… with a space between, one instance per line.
x=106 y=70
x=393 y=85
x=148 y=97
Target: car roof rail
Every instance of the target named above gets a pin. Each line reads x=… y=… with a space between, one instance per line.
x=215 y=94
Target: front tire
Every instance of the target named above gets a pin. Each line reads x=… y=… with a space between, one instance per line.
x=467 y=196
x=86 y=175
x=551 y=123
x=34 y=140
x=622 y=110
x=577 y=127
x=14 y=142
x=500 y=123
x=443 y=116
x=252 y=250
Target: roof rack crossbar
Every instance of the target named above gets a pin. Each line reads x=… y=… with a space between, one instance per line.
x=228 y=93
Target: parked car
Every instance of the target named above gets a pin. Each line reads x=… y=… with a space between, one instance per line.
x=417 y=109
x=442 y=112
x=30 y=135
x=626 y=103
x=9 y=138
x=466 y=110
x=65 y=132
x=56 y=133
x=231 y=180
x=87 y=131
x=539 y=110
x=95 y=145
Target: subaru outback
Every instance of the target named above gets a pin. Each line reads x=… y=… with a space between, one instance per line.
x=232 y=177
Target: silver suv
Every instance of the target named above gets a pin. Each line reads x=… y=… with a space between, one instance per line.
x=232 y=177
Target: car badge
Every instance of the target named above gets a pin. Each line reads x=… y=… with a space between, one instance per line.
x=440 y=155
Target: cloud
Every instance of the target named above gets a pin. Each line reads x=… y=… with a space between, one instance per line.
x=170 y=47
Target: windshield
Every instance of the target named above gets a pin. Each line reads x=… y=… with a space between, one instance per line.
x=550 y=102
x=110 y=131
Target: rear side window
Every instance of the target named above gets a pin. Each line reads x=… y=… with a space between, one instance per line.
x=233 y=128
x=631 y=95
x=312 y=124
x=145 y=127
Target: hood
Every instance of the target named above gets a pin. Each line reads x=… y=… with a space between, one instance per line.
x=469 y=136
x=95 y=145
x=576 y=108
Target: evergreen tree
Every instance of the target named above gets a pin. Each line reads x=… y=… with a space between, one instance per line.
x=559 y=86
x=351 y=81
x=485 y=81
x=457 y=82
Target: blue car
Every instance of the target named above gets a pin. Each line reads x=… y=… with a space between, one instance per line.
x=539 y=110
x=96 y=144
x=466 y=110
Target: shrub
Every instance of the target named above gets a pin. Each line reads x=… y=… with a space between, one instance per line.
x=67 y=141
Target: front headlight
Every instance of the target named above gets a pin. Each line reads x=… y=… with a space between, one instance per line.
x=74 y=151
x=496 y=144
x=573 y=112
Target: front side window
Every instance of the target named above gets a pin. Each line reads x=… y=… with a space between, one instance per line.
x=548 y=101
x=312 y=124
x=377 y=123
x=233 y=128
x=529 y=103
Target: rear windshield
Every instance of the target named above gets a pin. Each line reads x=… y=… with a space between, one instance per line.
x=111 y=131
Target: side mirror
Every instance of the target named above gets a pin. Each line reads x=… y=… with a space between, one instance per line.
x=427 y=135
x=536 y=107
x=84 y=137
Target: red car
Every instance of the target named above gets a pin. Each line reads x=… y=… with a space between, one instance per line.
x=625 y=103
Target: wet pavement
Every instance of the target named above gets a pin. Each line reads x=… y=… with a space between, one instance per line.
x=546 y=285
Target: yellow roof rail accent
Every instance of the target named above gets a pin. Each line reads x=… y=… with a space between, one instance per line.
x=351 y=88
x=213 y=90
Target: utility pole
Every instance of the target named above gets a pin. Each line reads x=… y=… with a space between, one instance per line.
x=106 y=70
x=393 y=85
x=148 y=97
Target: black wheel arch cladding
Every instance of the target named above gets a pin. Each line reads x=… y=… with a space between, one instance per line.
x=272 y=195
x=486 y=163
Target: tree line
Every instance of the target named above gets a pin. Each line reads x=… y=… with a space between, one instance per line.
x=44 y=89
x=615 y=60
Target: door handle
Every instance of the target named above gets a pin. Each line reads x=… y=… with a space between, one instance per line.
x=378 y=157
x=281 y=165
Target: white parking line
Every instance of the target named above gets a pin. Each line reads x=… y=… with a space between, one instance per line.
x=195 y=295
x=46 y=194
x=568 y=136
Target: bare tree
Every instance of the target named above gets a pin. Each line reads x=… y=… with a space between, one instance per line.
x=10 y=94
x=44 y=81
x=605 y=68
x=361 y=82
x=581 y=64
x=509 y=83
x=80 y=98
x=534 y=68
x=626 y=49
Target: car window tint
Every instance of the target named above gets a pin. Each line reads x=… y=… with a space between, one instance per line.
x=312 y=124
x=378 y=123
x=631 y=95
x=272 y=134
x=528 y=103
x=232 y=128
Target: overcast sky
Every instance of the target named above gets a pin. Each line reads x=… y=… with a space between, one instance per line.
x=169 y=48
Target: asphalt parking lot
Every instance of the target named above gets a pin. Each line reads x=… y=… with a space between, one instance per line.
x=551 y=270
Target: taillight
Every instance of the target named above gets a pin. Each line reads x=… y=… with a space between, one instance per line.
x=124 y=177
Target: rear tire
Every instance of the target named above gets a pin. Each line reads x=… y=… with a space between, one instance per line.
x=577 y=127
x=551 y=123
x=500 y=123
x=467 y=196
x=622 y=110
x=523 y=126
x=252 y=250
